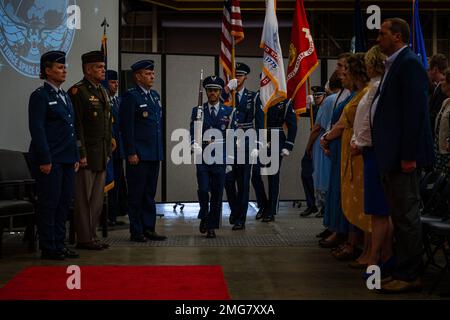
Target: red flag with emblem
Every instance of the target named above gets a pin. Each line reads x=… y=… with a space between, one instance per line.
x=302 y=59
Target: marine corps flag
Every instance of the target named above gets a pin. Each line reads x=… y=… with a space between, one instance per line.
x=273 y=79
x=302 y=59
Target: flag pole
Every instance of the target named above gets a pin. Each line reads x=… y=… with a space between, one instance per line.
x=413 y=25
x=233 y=71
x=311 y=113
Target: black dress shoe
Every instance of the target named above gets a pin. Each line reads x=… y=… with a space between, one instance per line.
x=153 y=236
x=232 y=219
x=324 y=234
x=140 y=238
x=102 y=244
x=260 y=213
x=320 y=213
x=89 y=246
x=268 y=219
x=202 y=226
x=52 y=255
x=211 y=234
x=309 y=211
x=69 y=253
x=238 y=226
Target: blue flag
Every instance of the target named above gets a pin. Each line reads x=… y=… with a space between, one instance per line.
x=358 y=25
x=417 y=42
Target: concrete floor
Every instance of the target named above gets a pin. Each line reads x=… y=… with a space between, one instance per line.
x=279 y=260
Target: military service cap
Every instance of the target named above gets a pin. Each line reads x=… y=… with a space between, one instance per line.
x=143 y=64
x=92 y=57
x=112 y=75
x=213 y=82
x=242 y=69
x=318 y=91
x=52 y=56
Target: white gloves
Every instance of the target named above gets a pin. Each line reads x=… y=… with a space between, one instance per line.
x=196 y=149
x=232 y=84
x=254 y=153
x=309 y=99
x=228 y=169
x=284 y=152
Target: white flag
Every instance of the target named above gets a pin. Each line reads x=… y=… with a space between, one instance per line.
x=273 y=79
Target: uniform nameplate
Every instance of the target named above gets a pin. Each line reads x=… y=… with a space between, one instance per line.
x=142 y=105
x=52 y=103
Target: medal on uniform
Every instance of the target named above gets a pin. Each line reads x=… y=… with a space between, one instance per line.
x=145 y=114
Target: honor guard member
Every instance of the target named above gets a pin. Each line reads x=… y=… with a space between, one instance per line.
x=277 y=116
x=93 y=127
x=140 y=120
x=307 y=167
x=211 y=177
x=237 y=180
x=117 y=195
x=53 y=154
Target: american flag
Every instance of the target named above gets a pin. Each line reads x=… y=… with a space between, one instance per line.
x=231 y=28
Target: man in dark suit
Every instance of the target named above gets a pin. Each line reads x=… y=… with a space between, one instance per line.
x=117 y=195
x=402 y=142
x=93 y=127
x=54 y=155
x=140 y=116
x=211 y=168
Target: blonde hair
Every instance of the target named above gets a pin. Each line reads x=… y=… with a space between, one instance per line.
x=374 y=58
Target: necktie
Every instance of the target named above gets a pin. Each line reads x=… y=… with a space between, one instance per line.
x=213 y=112
x=61 y=95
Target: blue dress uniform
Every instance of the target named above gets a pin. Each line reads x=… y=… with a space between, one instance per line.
x=140 y=116
x=242 y=118
x=211 y=177
x=307 y=167
x=117 y=195
x=53 y=141
x=277 y=116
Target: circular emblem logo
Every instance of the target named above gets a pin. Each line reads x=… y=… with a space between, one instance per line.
x=29 y=28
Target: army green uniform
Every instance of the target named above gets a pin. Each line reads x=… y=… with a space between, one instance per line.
x=93 y=126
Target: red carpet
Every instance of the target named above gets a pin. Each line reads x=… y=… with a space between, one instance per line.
x=119 y=283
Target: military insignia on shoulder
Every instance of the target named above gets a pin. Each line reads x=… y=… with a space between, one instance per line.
x=74 y=90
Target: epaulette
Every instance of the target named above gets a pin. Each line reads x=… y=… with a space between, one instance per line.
x=74 y=88
x=131 y=89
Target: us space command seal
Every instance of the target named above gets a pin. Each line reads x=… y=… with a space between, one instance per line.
x=28 y=28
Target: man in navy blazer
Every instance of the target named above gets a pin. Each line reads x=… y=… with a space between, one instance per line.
x=402 y=142
x=140 y=115
x=54 y=155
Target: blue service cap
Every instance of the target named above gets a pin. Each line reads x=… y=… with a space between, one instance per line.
x=143 y=64
x=242 y=69
x=52 y=56
x=318 y=90
x=112 y=75
x=213 y=82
